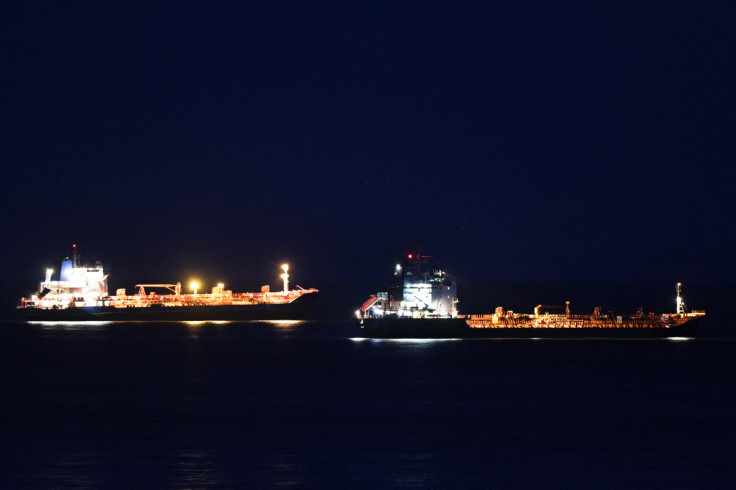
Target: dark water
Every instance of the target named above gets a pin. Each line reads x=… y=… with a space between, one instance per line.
x=310 y=405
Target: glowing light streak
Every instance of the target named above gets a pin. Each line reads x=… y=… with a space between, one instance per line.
x=417 y=340
x=285 y=277
x=195 y=323
x=83 y=323
x=285 y=323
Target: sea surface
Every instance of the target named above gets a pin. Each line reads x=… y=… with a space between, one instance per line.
x=313 y=404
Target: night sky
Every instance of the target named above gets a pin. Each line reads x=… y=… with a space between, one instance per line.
x=511 y=140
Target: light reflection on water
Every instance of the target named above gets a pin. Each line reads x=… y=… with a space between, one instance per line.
x=77 y=468
x=195 y=323
x=67 y=325
x=285 y=469
x=264 y=404
x=415 y=341
x=402 y=341
x=280 y=323
x=195 y=470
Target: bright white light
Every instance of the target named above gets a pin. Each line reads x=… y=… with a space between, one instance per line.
x=220 y=285
x=285 y=267
x=66 y=325
x=194 y=285
x=679 y=339
x=80 y=323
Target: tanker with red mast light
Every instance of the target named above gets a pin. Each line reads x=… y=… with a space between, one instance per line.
x=422 y=303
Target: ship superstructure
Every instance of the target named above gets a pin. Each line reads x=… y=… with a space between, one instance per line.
x=81 y=293
x=416 y=291
x=77 y=286
x=421 y=302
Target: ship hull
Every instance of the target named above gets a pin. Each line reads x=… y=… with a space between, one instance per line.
x=446 y=328
x=296 y=310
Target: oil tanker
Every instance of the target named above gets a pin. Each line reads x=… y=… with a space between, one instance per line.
x=422 y=303
x=81 y=294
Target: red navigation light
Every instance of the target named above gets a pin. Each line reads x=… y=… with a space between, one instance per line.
x=411 y=256
x=74 y=245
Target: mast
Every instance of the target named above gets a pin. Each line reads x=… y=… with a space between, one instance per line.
x=680 y=304
x=285 y=277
